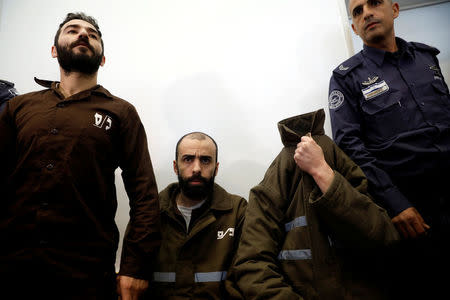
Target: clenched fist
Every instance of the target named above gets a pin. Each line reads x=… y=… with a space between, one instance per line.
x=310 y=159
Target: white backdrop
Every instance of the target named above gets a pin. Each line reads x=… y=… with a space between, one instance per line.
x=230 y=68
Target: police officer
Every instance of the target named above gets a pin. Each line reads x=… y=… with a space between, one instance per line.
x=390 y=112
x=7 y=91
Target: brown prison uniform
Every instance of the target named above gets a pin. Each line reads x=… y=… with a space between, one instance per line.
x=58 y=197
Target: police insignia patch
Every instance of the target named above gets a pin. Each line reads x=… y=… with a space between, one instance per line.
x=335 y=99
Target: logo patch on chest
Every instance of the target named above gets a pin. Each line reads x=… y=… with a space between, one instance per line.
x=100 y=120
x=375 y=90
x=221 y=234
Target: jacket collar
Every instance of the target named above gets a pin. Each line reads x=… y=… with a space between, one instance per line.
x=378 y=56
x=292 y=129
x=219 y=200
x=53 y=85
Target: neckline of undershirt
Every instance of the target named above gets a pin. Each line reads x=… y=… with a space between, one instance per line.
x=186 y=211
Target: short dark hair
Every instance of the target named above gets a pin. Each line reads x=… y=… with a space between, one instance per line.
x=79 y=16
x=197 y=135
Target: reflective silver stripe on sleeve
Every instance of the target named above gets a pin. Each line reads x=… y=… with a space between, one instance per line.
x=295 y=254
x=164 y=276
x=210 y=276
x=297 y=222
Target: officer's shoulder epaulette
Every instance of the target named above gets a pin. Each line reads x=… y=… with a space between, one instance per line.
x=7 y=83
x=348 y=65
x=424 y=47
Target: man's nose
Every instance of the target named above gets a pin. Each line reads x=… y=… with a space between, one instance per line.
x=196 y=167
x=83 y=33
x=367 y=12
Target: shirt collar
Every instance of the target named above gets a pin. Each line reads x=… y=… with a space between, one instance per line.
x=53 y=85
x=378 y=55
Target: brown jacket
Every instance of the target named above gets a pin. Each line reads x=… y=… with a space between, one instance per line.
x=193 y=264
x=58 y=198
x=298 y=243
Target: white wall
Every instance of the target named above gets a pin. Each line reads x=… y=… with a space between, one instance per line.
x=429 y=25
x=230 y=68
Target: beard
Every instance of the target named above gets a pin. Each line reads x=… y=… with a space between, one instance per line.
x=196 y=192
x=81 y=62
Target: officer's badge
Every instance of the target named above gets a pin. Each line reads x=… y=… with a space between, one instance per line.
x=342 y=68
x=370 y=80
x=375 y=90
x=335 y=99
x=436 y=71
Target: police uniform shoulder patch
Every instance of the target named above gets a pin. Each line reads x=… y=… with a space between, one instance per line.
x=421 y=46
x=335 y=99
x=348 y=65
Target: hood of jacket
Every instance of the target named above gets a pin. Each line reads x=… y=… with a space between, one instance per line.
x=292 y=129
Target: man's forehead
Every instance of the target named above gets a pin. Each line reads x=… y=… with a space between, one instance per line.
x=353 y=3
x=190 y=146
x=79 y=23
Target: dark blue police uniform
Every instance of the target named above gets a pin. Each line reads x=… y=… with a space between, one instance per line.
x=391 y=114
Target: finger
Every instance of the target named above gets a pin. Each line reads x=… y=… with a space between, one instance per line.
x=426 y=226
x=410 y=230
x=305 y=138
x=419 y=216
x=417 y=226
x=402 y=230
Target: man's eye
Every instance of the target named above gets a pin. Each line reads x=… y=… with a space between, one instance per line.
x=93 y=36
x=205 y=160
x=357 y=11
x=187 y=159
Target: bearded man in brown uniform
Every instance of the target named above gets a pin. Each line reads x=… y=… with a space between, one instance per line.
x=200 y=223
x=59 y=149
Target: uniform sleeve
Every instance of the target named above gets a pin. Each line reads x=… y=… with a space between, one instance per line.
x=346 y=207
x=348 y=133
x=441 y=74
x=142 y=237
x=231 y=288
x=7 y=145
x=256 y=270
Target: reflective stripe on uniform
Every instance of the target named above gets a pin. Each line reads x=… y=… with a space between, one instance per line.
x=295 y=254
x=297 y=222
x=210 y=276
x=164 y=276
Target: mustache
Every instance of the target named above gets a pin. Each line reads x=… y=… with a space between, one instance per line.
x=82 y=41
x=197 y=177
x=370 y=21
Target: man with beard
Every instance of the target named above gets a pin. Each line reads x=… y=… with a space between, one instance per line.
x=59 y=149
x=390 y=112
x=200 y=223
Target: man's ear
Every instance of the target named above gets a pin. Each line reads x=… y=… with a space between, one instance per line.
x=354 y=30
x=217 y=169
x=102 y=63
x=395 y=9
x=54 y=52
x=175 y=169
